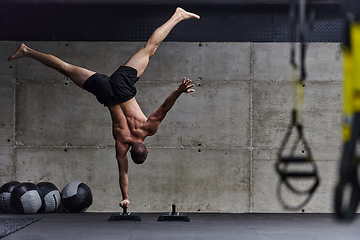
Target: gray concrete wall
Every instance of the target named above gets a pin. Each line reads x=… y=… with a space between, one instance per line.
x=7 y=110
x=214 y=152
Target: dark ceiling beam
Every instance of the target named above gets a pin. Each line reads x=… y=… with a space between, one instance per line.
x=167 y=2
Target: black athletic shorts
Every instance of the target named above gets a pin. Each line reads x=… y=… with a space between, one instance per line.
x=117 y=88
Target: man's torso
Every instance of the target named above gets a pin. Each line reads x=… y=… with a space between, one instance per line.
x=128 y=122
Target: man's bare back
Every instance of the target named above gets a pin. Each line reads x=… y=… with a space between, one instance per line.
x=128 y=122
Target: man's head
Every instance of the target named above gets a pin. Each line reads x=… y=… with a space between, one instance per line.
x=138 y=152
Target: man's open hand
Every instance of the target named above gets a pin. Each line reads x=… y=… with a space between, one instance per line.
x=186 y=86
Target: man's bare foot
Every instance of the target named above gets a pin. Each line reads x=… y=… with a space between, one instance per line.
x=20 y=52
x=185 y=15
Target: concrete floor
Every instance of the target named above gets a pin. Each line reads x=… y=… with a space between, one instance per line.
x=90 y=226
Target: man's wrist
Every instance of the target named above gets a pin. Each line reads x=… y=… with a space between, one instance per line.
x=178 y=91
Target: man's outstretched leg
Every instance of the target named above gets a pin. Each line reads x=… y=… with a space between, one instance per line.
x=141 y=59
x=77 y=74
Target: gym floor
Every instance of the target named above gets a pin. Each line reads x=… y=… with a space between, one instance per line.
x=207 y=226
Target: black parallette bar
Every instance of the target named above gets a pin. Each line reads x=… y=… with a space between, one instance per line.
x=173 y=212
x=124 y=209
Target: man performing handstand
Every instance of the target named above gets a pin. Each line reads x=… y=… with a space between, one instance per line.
x=117 y=92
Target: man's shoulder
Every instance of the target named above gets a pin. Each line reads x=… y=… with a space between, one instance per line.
x=121 y=148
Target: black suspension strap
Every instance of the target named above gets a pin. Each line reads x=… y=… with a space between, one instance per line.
x=284 y=161
x=347 y=192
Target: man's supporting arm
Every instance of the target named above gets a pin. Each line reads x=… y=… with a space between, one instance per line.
x=123 y=172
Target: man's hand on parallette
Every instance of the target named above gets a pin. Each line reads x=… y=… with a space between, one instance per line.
x=186 y=86
x=125 y=202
